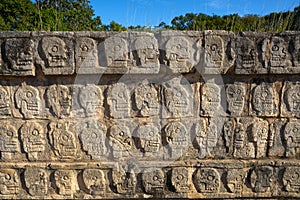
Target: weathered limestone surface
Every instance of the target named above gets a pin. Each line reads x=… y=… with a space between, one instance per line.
x=149 y=115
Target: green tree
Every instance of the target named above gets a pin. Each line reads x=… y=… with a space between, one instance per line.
x=17 y=15
x=67 y=15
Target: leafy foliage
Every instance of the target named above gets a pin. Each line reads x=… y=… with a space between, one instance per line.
x=78 y=15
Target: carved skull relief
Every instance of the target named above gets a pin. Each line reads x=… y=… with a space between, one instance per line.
x=9 y=182
x=55 y=52
x=36 y=181
x=94 y=181
x=28 y=101
x=60 y=100
x=65 y=181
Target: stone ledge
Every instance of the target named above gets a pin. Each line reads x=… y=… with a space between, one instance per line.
x=208 y=52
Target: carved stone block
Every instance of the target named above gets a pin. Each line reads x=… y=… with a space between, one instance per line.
x=180 y=179
x=92 y=135
x=247 y=56
x=60 y=100
x=124 y=181
x=66 y=182
x=236 y=98
x=261 y=179
x=114 y=54
x=147 y=100
x=94 y=181
x=153 y=181
x=20 y=54
x=211 y=100
x=178 y=54
x=235 y=181
x=9 y=182
x=57 y=55
x=276 y=138
x=150 y=142
x=36 y=181
x=144 y=53
x=120 y=141
x=176 y=136
x=291 y=179
x=118 y=100
x=292 y=138
x=86 y=55
x=276 y=55
x=215 y=52
x=207 y=180
x=5 y=102
x=91 y=99
x=177 y=99
x=62 y=140
x=290 y=106
x=9 y=141
x=33 y=137
x=265 y=99
x=28 y=101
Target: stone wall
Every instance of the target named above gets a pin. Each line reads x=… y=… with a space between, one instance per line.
x=136 y=115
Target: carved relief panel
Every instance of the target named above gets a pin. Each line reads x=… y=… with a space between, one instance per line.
x=276 y=55
x=144 y=52
x=180 y=179
x=118 y=100
x=28 y=101
x=207 y=180
x=115 y=54
x=5 y=102
x=36 y=181
x=177 y=138
x=211 y=100
x=291 y=179
x=9 y=141
x=65 y=182
x=236 y=98
x=91 y=99
x=60 y=100
x=57 y=55
x=120 y=141
x=20 y=55
x=92 y=135
x=147 y=100
x=124 y=181
x=247 y=56
x=9 y=182
x=235 y=180
x=86 y=55
x=178 y=54
x=265 y=99
x=63 y=140
x=177 y=99
x=290 y=106
x=149 y=139
x=261 y=179
x=33 y=138
x=94 y=181
x=292 y=138
x=153 y=180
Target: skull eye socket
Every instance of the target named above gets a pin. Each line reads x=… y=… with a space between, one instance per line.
x=54 y=49
x=84 y=48
x=7 y=177
x=65 y=177
x=121 y=133
x=10 y=133
x=213 y=47
x=94 y=178
x=275 y=48
x=29 y=94
x=117 y=48
x=151 y=133
x=65 y=137
x=35 y=132
x=155 y=178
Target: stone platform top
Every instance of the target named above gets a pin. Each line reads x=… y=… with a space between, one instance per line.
x=131 y=115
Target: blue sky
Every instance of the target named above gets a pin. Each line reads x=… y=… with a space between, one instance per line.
x=152 y=12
